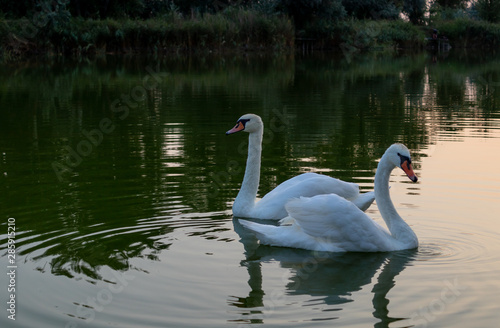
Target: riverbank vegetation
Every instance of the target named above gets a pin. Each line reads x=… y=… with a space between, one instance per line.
x=72 y=27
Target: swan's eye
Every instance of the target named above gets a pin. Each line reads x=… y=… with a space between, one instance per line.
x=404 y=159
x=244 y=121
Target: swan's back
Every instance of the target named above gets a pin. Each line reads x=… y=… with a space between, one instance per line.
x=304 y=185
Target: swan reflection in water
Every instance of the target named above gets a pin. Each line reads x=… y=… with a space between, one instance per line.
x=328 y=278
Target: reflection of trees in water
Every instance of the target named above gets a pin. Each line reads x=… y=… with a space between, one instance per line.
x=327 y=278
x=160 y=161
x=84 y=251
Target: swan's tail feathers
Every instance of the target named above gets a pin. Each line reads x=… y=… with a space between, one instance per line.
x=287 y=221
x=248 y=224
x=283 y=235
x=364 y=201
x=266 y=233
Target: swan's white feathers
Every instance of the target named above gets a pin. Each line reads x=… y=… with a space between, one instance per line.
x=306 y=185
x=314 y=183
x=339 y=221
x=363 y=201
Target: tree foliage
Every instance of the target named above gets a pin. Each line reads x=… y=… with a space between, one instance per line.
x=488 y=10
x=452 y=3
x=305 y=11
x=99 y=9
x=415 y=10
x=322 y=14
x=16 y=9
x=371 y=9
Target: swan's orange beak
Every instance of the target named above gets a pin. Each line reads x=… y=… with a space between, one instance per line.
x=238 y=127
x=406 y=166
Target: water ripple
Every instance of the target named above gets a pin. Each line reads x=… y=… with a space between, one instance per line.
x=456 y=246
x=83 y=252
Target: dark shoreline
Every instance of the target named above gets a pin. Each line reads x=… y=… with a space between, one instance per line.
x=221 y=34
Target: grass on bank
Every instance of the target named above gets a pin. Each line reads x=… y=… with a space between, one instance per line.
x=366 y=35
x=468 y=33
x=232 y=29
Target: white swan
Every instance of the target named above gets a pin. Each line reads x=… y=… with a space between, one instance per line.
x=330 y=223
x=272 y=205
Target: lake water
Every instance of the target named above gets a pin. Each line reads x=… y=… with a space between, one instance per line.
x=118 y=179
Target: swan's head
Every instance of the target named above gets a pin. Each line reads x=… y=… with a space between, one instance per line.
x=248 y=122
x=399 y=155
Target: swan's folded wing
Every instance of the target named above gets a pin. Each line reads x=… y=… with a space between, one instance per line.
x=312 y=184
x=338 y=220
x=304 y=185
x=364 y=201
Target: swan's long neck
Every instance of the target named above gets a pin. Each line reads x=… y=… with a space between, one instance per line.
x=248 y=192
x=399 y=229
